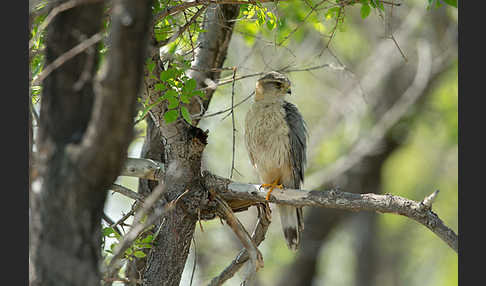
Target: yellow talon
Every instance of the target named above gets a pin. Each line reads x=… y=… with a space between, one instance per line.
x=271 y=186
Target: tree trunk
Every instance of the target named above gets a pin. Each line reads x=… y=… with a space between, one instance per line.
x=77 y=160
x=182 y=150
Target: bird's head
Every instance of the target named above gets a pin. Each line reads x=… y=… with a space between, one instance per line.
x=271 y=86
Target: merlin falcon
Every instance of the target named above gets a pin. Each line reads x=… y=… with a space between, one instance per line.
x=276 y=140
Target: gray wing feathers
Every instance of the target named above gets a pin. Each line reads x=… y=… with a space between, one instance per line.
x=298 y=142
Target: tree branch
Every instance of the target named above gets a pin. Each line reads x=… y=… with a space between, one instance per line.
x=143 y=168
x=257 y=237
x=388 y=203
x=256 y=259
x=126 y=192
x=240 y=196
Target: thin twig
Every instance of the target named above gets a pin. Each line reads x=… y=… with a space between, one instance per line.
x=181 y=30
x=111 y=223
x=126 y=192
x=333 y=32
x=256 y=259
x=398 y=47
x=258 y=235
x=138 y=227
x=302 y=22
x=285 y=69
x=121 y=221
x=228 y=109
x=233 y=121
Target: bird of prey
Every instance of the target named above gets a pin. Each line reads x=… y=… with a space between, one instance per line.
x=276 y=140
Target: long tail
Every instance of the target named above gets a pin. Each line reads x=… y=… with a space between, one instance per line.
x=292 y=225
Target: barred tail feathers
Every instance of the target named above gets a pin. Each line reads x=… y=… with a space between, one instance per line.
x=292 y=225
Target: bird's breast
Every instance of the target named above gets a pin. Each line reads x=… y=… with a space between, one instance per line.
x=266 y=136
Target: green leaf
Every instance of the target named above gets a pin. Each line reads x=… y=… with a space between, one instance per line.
x=186 y=115
x=171 y=96
x=168 y=74
x=331 y=13
x=160 y=86
x=144 y=112
x=139 y=254
x=272 y=21
x=188 y=87
x=365 y=10
x=171 y=116
x=191 y=84
x=199 y=93
x=186 y=98
x=148 y=239
x=150 y=65
x=107 y=231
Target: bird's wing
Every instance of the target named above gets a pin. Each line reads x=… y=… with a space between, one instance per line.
x=297 y=140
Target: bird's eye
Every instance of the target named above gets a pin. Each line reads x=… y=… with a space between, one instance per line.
x=278 y=84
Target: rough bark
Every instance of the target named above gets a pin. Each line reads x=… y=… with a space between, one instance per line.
x=180 y=146
x=77 y=160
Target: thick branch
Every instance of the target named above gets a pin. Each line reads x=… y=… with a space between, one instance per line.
x=142 y=168
x=240 y=196
x=417 y=211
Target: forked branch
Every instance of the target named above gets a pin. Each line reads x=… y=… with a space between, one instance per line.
x=240 y=196
x=421 y=211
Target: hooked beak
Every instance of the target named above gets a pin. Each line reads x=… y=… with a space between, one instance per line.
x=289 y=91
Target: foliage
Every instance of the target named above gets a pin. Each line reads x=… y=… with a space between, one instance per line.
x=136 y=250
x=288 y=25
x=176 y=88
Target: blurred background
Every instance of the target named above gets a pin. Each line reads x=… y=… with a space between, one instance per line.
x=380 y=102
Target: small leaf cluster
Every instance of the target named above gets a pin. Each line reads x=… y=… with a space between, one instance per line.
x=144 y=241
x=255 y=18
x=166 y=27
x=366 y=6
x=261 y=14
x=176 y=88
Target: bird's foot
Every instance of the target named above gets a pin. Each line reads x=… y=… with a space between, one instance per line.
x=271 y=186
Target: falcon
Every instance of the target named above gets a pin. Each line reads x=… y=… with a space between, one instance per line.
x=276 y=141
